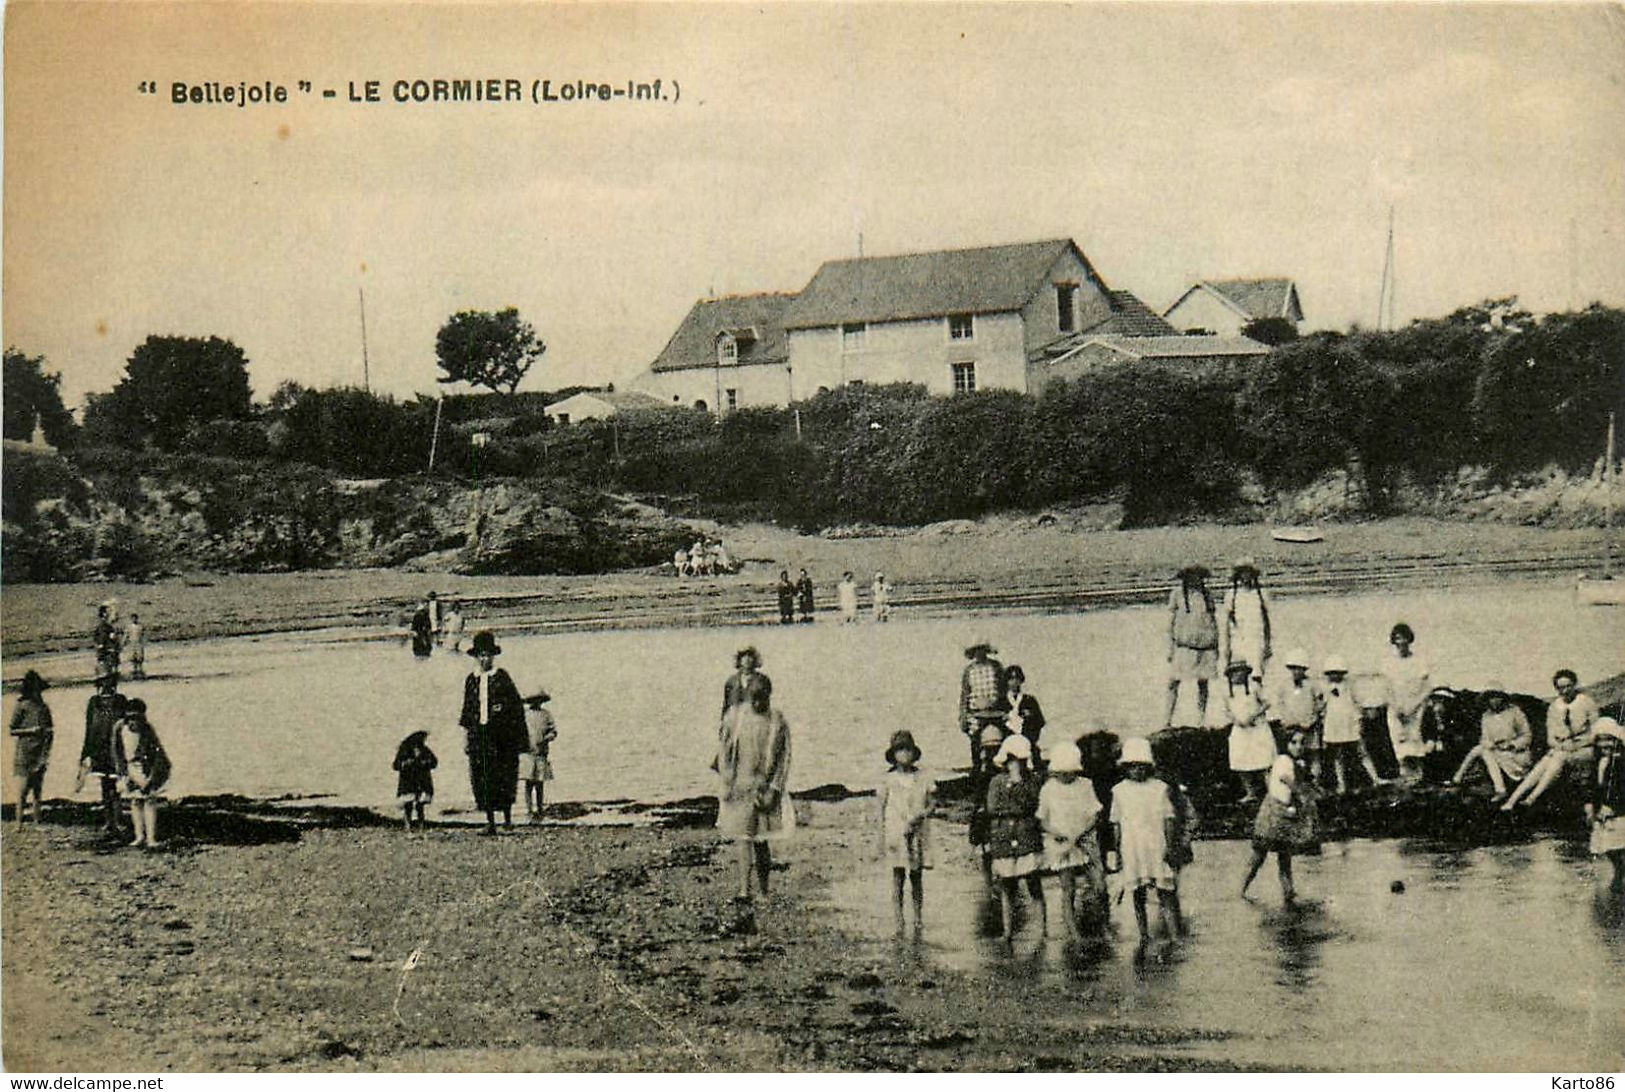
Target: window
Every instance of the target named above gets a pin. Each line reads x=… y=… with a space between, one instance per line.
x=564 y=418
x=727 y=351
x=964 y=378
x=732 y=395
x=852 y=336
x=1066 y=311
x=699 y=404
x=960 y=328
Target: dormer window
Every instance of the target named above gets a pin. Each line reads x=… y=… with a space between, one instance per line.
x=727 y=351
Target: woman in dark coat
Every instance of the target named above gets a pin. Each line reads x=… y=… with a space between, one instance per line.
x=494 y=720
x=422 y=632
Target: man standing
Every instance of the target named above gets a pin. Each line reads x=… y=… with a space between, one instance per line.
x=982 y=698
x=102 y=714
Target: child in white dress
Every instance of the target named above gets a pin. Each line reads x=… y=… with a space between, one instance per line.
x=1069 y=812
x=905 y=800
x=880 y=590
x=1145 y=841
x=846 y=594
x=1252 y=744
x=1340 y=725
x=535 y=768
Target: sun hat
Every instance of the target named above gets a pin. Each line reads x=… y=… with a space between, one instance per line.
x=135 y=707
x=1016 y=747
x=536 y=699
x=1065 y=758
x=484 y=642
x=1244 y=563
x=1238 y=665
x=1335 y=665
x=991 y=735
x=902 y=740
x=1136 y=750
x=1608 y=726
x=1298 y=658
x=970 y=649
x=1493 y=686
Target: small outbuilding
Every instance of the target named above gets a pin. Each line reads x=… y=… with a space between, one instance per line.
x=597 y=405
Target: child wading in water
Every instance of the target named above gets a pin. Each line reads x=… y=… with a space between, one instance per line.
x=1286 y=823
x=414 y=788
x=1252 y=744
x=1605 y=807
x=1146 y=841
x=1069 y=812
x=534 y=767
x=905 y=798
x=1015 y=840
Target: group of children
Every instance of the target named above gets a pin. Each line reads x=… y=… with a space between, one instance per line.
x=707 y=557
x=415 y=763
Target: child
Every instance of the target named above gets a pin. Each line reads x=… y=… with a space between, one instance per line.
x=1068 y=811
x=454 y=626
x=135 y=640
x=143 y=770
x=1193 y=639
x=32 y=733
x=534 y=766
x=1252 y=744
x=905 y=798
x=1015 y=840
x=1503 y=741
x=1605 y=808
x=989 y=738
x=414 y=788
x=1145 y=841
x=1340 y=725
x=1025 y=715
x=846 y=593
x=881 y=591
x=1286 y=822
x=1295 y=706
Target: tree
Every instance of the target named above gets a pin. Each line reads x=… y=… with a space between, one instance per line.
x=170 y=385
x=33 y=395
x=1271 y=331
x=487 y=349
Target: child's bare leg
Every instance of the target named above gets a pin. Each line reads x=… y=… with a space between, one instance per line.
x=897 y=877
x=407 y=808
x=746 y=856
x=1533 y=787
x=1497 y=779
x=138 y=822
x=1173 y=921
x=916 y=879
x=1173 y=701
x=150 y=808
x=1283 y=862
x=764 y=864
x=1370 y=766
x=1252 y=869
x=1139 y=916
x=1069 y=902
x=1035 y=888
x=1007 y=904
x=1340 y=768
x=1466 y=764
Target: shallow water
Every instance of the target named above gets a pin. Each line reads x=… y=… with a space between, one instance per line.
x=1501 y=958
x=637 y=709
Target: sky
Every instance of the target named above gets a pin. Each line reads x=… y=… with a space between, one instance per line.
x=1172 y=142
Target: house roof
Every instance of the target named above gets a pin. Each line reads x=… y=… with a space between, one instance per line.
x=1178 y=346
x=758 y=320
x=1252 y=298
x=1129 y=318
x=621 y=400
x=983 y=280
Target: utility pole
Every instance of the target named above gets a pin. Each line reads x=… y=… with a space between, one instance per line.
x=1385 y=293
x=366 y=370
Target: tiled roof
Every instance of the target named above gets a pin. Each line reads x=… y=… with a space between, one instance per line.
x=1178 y=345
x=1255 y=298
x=1129 y=318
x=694 y=345
x=910 y=286
x=621 y=400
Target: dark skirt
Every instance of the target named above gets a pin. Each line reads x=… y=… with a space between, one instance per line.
x=1274 y=831
x=493 y=774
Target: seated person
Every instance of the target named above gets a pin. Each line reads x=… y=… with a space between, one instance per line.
x=1503 y=741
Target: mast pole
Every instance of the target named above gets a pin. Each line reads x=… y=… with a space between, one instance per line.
x=366 y=370
x=1608 y=476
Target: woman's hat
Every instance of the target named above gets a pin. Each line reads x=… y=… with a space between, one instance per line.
x=538 y=698
x=1065 y=758
x=1016 y=747
x=136 y=708
x=970 y=649
x=1608 y=726
x=1238 y=666
x=416 y=737
x=1136 y=750
x=901 y=741
x=992 y=735
x=1298 y=658
x=1493 y=687
x=1335 y=665
x=33 y=682
x=485 y=643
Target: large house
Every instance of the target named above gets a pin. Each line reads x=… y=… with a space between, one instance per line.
x=1225 y=307
x=953 y=321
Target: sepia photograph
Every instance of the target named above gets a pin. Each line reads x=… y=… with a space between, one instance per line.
x=813 y=538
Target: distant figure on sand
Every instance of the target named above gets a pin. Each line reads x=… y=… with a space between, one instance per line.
x=414 y=786
x=1605 y=803
x=535 y=768
x=1570 y=720
x=422 y=632
x=32 y=733
x=880 y=591
x=904 y=801
x=135 y=643
x=105 y=638
x=981 y=697
x=804 y=596
x=1503 y=743
x=787 y=598
x=143 y=771
x=103 y=712
x=493 y=717
x=753 y=762
x=846 y=594
x=453 y=638
x=1245 y=635
x=1193 y=639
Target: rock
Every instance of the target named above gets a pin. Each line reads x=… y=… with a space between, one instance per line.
x=361 y=955
x=867 y=981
